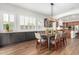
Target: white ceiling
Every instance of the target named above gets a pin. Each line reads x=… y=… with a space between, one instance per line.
x=45 y=8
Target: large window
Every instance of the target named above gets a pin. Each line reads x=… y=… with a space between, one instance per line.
x=24 y=22
x=8 y=21
x=27 y=22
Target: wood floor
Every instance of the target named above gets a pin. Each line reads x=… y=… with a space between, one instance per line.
x=28 y=48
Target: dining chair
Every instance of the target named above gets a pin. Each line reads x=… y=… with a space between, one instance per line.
x=53 y=43
x=41 y=41
x=54 y=40
x=57 y=38
x=63 y=40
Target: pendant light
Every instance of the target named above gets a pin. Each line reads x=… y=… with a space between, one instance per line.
x=51 y=9
x=52 y=18
x=51 y=15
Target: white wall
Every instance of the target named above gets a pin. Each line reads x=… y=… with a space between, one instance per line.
x=12 y=9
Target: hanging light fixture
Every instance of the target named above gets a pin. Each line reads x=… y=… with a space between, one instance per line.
x=52 y=18
x=51 y=15
x=51 y=8
x=48 y=20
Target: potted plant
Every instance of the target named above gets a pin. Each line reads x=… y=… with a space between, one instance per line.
x=7 y=27
x=69 y=27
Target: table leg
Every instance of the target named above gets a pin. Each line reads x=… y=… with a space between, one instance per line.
x=48 y=43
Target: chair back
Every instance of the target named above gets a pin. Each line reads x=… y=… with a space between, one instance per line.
x=61 y=33
x=37 y=35
x=57 y=35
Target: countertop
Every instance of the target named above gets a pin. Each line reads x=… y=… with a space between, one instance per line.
x=21 y=31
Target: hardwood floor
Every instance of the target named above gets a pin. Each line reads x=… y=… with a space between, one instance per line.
x=28 y=48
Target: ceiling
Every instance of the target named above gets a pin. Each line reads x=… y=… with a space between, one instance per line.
x=73 y=17
x=45 y=8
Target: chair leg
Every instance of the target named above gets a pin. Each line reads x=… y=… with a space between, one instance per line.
x=57 y=45
x=53 y=47
x=65 y=41
x=62 y=43
x=37 y=44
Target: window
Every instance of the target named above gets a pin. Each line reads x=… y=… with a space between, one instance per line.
x=40 y=23
x=27 y=22
x=11 y=18
x=8 y=19
x=22 y=25
x=11 y=21
x=5 y=21
x=21 y=20
x=5 y=18
x=32 y=23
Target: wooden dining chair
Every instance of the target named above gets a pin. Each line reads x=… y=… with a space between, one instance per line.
x=53 y=43
x=41 y=41
x=60 y=38
x=57 y=38
x=63 y=40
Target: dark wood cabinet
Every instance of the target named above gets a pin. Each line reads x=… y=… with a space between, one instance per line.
x=15 y=37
